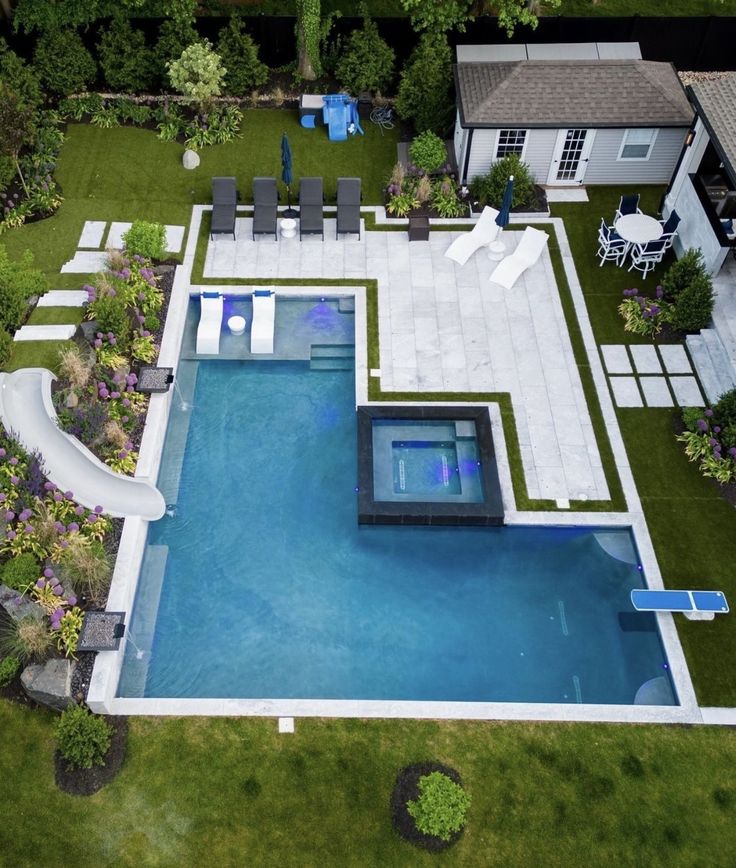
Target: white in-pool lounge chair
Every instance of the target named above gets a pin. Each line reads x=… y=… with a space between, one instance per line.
x=210 y=324
x=695 y=605
x=528 y=251
x=264 y=315
x=484 y=231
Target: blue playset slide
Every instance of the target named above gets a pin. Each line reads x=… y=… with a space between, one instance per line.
x=340 y=114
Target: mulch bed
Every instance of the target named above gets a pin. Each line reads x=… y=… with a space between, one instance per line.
x=86 y=782
x=406 y=790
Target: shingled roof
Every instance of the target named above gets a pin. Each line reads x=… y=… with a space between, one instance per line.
x=716 y=104
x=577 y=93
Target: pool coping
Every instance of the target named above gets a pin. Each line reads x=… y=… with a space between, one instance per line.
x=101 y=696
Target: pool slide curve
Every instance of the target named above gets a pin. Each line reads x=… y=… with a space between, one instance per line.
x=27 y=411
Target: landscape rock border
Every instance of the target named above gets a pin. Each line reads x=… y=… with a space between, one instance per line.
x=406 y=790
x=86 y=782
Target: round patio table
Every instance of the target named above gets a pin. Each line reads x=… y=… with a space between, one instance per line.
x=638 y=228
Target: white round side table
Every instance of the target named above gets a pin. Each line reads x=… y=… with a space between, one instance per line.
x=496 y=251
x=288 y=227
x=236 y=324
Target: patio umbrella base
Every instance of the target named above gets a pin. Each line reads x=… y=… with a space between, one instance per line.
x=290 y=212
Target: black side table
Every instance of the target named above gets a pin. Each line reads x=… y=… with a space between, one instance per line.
x=418 y=228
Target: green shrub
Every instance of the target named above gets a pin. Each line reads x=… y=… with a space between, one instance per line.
x=239 y=55
x=691 y=416
x=174 y=37
x=198 y=74
x=6 y=347
x=112 y=315
x=83 y=739
x=7 y=172
x=424 y=90
x=21 y=571
x=145 y=239
x=489 y=189
x=366 y=62
x=725 y=408
x=682 y=273
x=27 y=639
x=693 y=305
x=9 y=667
x=444 y=198
x=19 y=76
x=126 y=62
x=18 y=282
x=441 y=807
x=63 y=63
x=428 y=152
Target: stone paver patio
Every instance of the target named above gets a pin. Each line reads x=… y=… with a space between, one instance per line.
x=447 y=328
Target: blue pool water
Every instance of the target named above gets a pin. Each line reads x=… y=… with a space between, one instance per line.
x=262 y=584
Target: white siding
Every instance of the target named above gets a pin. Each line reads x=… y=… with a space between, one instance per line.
x=540 y=145
x=604 y=167
x=459 y=141
x=695 y=229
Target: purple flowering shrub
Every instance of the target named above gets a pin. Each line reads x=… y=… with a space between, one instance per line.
x=710 y=438
x=644 y=316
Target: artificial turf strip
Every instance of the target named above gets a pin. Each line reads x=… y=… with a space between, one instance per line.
x=232 y=791
x=56 y=315
x=36 y=354
x=694 y=534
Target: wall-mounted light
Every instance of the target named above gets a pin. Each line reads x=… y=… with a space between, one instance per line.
x=690 y=138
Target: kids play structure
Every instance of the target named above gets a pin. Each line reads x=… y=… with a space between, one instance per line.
x=339 y=114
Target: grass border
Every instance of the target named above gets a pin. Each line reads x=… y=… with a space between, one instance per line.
x=617 y=501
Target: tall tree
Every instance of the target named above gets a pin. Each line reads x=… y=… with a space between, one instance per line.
x=513 y=12
x=438 y=16
x=16 y=126
x=308 y=34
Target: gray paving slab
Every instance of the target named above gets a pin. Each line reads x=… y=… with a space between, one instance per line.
x=85 y=262
x=92 y=233
x=687 y=392
x=656 y=392
x=675 y=359
x=616 y=359
x=625 y=392
x=645 y=359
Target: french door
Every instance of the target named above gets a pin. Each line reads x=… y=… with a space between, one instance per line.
x=570 y=158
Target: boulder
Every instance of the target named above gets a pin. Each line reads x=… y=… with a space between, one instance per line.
x=17 y=606
x=71 y=401
x=50 y=683
x=90 y=329
x=190 y=160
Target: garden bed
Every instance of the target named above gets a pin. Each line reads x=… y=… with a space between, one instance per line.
x=86 y=782
x=406 y=790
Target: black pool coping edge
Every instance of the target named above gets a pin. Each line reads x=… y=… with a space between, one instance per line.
x=488 y=513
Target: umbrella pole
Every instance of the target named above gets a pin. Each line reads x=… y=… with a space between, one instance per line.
x=289 y=212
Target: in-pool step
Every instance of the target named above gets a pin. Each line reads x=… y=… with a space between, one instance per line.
x=346 y=305
x=331 y=364
x=333 y=351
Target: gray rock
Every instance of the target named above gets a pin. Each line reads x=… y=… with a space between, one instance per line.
x=190 y=160
x=72 y=399
x=90 y=329
x=50 y=683
x=16 y=606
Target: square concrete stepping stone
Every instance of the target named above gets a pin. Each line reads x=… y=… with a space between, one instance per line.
x=286 y=724
x=645 y=359
x=625 y=392
x=616 y=359
x=115 y=235
x=92 y=233
x=174 y=238
x=656 y=393
x=675 y=359
x=63 y=298
x=86 y=262
x=45 y=332
x=687 y=392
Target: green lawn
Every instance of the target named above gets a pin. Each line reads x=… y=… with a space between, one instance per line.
x=692 y=527
x=225 y=792
x=55 y=315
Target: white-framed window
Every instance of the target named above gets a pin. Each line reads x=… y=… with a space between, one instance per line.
x=510 y=142
x=637 y=144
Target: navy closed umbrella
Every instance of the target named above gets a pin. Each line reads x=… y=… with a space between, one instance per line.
x=504 y=213
x=286 y=175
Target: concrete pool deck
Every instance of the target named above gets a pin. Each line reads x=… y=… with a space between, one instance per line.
x=102 y=694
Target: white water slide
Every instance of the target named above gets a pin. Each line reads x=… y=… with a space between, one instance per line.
x=27 y=412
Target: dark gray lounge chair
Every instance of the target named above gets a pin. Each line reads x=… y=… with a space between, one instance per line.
x=224 y=201
x=265 y=210
x=311 y=202
x=348 y=205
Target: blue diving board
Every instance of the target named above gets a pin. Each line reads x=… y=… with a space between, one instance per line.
x=705 y=603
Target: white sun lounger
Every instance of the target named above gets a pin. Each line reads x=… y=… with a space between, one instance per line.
x=528 y=251
x=484 y=231
x=264 y=315
x=210 y=324
x=695 y=605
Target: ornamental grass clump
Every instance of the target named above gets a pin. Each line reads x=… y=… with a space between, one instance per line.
x=710 y=438
x=644 y=316
x=441 y=807
x=83 y=739
x=28 y=639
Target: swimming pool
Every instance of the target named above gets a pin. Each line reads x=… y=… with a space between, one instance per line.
x=262 y=584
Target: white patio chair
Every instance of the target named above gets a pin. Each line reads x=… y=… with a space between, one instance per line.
x=645 y=256
x=611 y=247
x=484 y=231
x=210 y=323
x=264 y=315
x=528 y=251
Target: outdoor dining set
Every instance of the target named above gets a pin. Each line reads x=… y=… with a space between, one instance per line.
x=266 y=214
x=641 y=238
